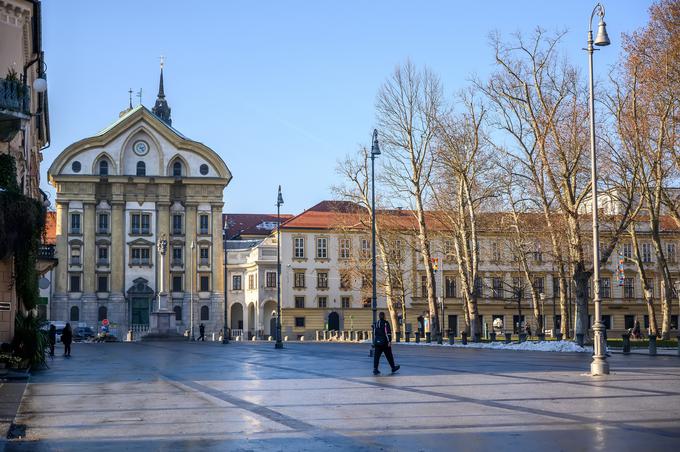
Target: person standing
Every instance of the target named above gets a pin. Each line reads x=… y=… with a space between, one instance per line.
x=67 y=339
x=52 y=339
x=201 y=330
x=382 y=334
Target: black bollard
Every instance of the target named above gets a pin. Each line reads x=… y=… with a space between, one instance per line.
x=408 y=336
x=417 y=337
x=477 y=338
x=398 y=336
x=522 y=337
x=451 y=338
x=679 y=345
x=508 y=338
x=428 y=337
x=652 y=345
x=558 y=336
x=541 y=337
x=626 y=343
x=492 y=336
x=464 y=338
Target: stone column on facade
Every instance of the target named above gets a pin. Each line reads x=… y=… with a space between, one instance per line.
x=61 y=271
x=163 y=228
x=118 y=250
x=190 y=282
x=89 y=299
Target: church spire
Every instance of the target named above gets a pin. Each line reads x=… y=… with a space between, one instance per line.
x=161 y=108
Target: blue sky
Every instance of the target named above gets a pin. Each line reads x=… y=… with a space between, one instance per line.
x=281 y=89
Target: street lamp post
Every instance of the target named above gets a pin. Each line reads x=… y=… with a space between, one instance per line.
x=279 y=201
x=542 y=297
x=375 y=151
x=191 y=294
x=599 y=365
x=225 y=331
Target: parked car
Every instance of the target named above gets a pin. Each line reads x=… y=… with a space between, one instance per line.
x=83 y=333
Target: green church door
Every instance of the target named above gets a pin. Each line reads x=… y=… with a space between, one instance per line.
x=140 y=311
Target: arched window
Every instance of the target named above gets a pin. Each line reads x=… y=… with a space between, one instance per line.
x=75 y=314
x=141 y=169
x=103 y=167
x=177 y=169
x=205 y=313
x=178 y=313
x=103 y=313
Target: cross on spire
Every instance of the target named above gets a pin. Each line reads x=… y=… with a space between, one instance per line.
x=161 y=108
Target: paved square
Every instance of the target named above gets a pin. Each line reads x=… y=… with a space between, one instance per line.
x=244 y=396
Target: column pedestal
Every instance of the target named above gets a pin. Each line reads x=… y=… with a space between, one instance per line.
x=162 y=323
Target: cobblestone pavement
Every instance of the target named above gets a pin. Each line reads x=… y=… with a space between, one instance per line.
x=315 y=397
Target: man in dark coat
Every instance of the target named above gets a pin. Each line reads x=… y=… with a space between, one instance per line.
x=382 y=338
x=67 y=338
x=201 y=329
x=52 y=338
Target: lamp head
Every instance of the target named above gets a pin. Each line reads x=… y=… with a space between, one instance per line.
x=279 y=199
x=40 y=85
x=375 y=147
x=602 y=38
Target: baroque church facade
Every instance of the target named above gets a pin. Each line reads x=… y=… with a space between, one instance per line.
x=118 y=193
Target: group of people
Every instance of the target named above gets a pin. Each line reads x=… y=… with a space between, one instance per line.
x=66 y=339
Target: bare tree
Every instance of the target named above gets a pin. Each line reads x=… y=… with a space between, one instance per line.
x=407 y=106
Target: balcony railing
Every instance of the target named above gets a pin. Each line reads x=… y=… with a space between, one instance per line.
x=103 y=262
x=140 y=261
x=46 y=252
x=204 y=261
x=14 y=96
x=177 y=263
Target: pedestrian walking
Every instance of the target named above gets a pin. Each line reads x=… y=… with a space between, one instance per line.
x=637 y=333
x=67 y=338
x=201 y=330
x=527 y=329
x=382 y=339
x=52 y=339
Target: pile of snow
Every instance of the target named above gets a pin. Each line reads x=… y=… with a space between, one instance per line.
x=545 y=346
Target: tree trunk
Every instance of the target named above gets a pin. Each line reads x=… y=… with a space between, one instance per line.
x=564 y=309
x=581 y=277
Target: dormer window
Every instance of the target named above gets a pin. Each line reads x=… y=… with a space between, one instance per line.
x=141 y=169
x=177 y=169
x=103 y=167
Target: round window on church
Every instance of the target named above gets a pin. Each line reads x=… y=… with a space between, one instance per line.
x=75 y=166
x=203 y=169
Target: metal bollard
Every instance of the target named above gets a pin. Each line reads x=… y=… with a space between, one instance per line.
x=678 y=344
x=558 y=336
x=451 y=339
x=652 y=345
x=463 y=336
x=626 y=343
x=508 y=338
x=417 y=337
x=428 y=337
x=492 y=336
x=477 y=338
x=408 y=336
x=522 y=337
x=398 y=336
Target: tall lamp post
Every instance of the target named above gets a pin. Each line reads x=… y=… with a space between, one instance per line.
x=599 y=365
x=279 y=201
x=225 y=330
x=191 y=294
x=375 y=151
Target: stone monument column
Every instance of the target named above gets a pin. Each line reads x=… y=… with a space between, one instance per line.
x=162 y=321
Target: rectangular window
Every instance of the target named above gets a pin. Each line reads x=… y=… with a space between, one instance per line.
x=398 y=250
x=321 y=248
x=556 y=286
x=628 y=288
x=299 y=280
x=236 y=282
x=251 y=282
x=345 y=302
x=141 y=256
x=539 y=285
x=345 y=248
x=299 y=322
x=103 y=223
x=479 y=288
x=203 y=224
x=450 y=283
x=204 y=256
x=299 y=247
x=205 y=284
x=177 y=226
x=177 y=259
x=538 y=256
x=605 y=288
x=517 y=288
x=102 y=283
x=135 y=223
x=75 y=255
x=497 y=284
x=103 y=255
x=75 y=283
x=423 y=286
x=270 y=279
x=75 y=223
x=495 y=252
x=146 y=223
x=628 y=250
x=322 y=280
x=365 y=248
x=322 y=302
x=607 y=321
x=670 y=252
x=646 y=252
x=300 y=302
x=177 y=283
x=650 y=283
x=345 y=280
